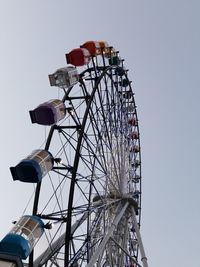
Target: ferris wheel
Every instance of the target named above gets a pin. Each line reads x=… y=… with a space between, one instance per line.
x=86 y=209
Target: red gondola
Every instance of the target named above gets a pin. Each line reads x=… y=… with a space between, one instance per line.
x=78 y=57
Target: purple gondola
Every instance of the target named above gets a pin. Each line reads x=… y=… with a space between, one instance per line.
x=48 y=113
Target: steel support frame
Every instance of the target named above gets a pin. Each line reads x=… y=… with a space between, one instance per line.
x=106 y=238
x=139 y=238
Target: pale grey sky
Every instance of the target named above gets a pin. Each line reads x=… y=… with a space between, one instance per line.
x=160 y=42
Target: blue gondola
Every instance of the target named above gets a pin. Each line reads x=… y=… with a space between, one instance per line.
x=20 y=241
x=124 y=82
x=33 y=168
x=120 y=71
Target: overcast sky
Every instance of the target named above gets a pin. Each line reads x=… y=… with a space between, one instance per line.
x=160 y=41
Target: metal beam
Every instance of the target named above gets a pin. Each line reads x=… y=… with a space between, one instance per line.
x=126 y=252
x=139 y=238
x=106 y=238
x=57 y=244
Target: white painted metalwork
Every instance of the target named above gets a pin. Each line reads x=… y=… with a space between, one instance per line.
x=141 y=247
